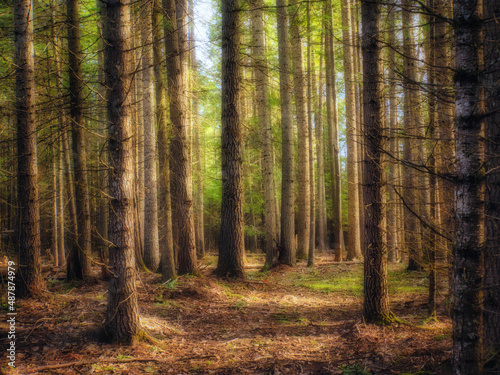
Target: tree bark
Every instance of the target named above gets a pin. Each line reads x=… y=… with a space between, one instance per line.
x=28 y=245
x=353 y=239
x=267 y=152
x=304 y=198
x=412 y=226
x=492 y=158
x=151 y=241
x=122 y=322
x=376 y=298
x=333 y=135
x=287 y=253
x=312 y=234
x=232 y=247
x=393 y=218
x=467 y=309
x=182 y=200
x=318 y=124
x=197 y=142
x=79 y=264
x=168 y=267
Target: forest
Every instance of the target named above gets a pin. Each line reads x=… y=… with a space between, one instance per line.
x=250 y=187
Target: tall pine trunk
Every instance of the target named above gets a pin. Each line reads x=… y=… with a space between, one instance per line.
x=376 y=297
x=79 y=262
x=318 y=124
x=467 y=312
x=151 y=241
x=333 y=135
x=168 y=267
x=412 y=226
x=262 y=100
x=353 y=239
x=232 y=246
x=304 y=198
x=492 y=158
x=197 y=140
x=28 y=244
x=122 y=322
x=182 y=200
x=310 y=128
x=287 y=252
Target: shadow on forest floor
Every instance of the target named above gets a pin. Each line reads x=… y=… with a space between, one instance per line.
x=288 y=321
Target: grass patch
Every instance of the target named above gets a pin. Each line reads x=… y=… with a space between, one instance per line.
x=404 y=282
x=342 y=281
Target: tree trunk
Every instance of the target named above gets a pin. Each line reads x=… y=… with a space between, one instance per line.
x=232 y=247
x=151 y=244
x=353 y=239
x=318 y=123
x=304 y=198
x=430 y=47
x=412 y=226
x=333 y=135
x=168 y=267
x=287 y=253
x=28 y=246
x=182 y=201
x=262 y=101
x=61 y=117
x=393 y=182
x=469 y=192
x=122 y=322
x=197 y=142
x=79 y=264
x=445 y=154
x=312 y=234
x=492 y=124
x=376 y=298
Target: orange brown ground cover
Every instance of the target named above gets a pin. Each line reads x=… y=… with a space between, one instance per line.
x=286 y=321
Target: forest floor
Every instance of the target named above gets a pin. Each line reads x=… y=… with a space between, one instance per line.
x=287 y=321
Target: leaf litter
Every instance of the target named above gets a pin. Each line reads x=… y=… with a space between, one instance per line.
x=275 y=322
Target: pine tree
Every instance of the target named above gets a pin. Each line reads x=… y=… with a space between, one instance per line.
x=231 y=247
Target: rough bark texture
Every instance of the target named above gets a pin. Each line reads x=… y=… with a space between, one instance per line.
x=312 y=234
x=430 y=47
x=61 y=252
x=412 y=226
x=333 y=135
x=353 y=239
x=168 y=268
x=376 y=299
x=287 y=253
x=492 y=158
x=182 y=200
x=231 y=247
x=28 y=246
x=393 y=218
x=122 y=316
x=304 y=198
x=468 y=246
x=318 y=124
x=151 y=244
x=79 y=262
x=262 y=101
x=197 y=141
x=445 y=150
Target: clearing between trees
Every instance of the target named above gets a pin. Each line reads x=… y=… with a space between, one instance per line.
x=286 y=321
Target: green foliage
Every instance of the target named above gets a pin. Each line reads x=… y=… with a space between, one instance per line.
x=355 y=369
x=171 y=284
